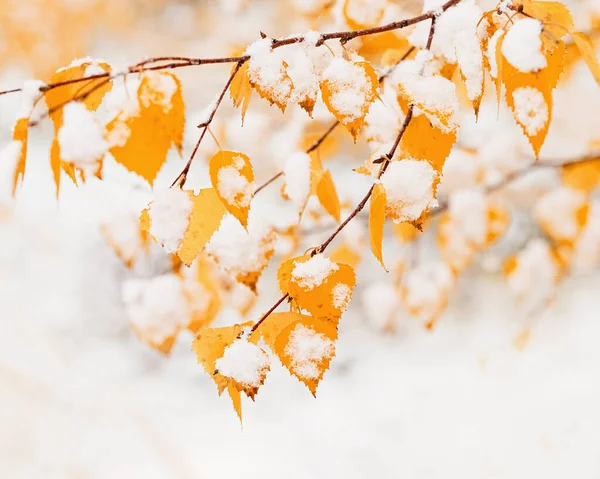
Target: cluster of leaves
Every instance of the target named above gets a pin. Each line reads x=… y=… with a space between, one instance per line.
x=425 y=77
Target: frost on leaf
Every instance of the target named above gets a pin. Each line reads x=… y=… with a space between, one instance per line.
x=377 y=221
x=311 y=281
x=209 y=346
x=268 y=73
x=348 y=89
x=232 y=177
x=91 y=92
x=241 y=253
x=409 y=189
x=140 y=136
x=183 y=222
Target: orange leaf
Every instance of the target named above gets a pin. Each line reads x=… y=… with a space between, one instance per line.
x=586 y=48
x=556 y=17
x=377 y=221
x=327 y=195
x=583 y=176
x=424 y=141
x=232 y=178
x=202 y=295
x=306 y=348
x=529 y=94
x=318 y=285
x=140 y=138
x=348 y=89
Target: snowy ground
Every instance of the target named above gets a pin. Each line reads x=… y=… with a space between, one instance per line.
x=81 y=397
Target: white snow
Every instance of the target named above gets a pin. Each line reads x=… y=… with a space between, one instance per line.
x=296 y=171
x=170 y=212
x=311 y=273
x=340 y=295
x=234 y=187
x=409 y=188
x=307 y=350
x=301 y=71
x=267 y=70
x=380 y=304
x=531 y=109
x=350 y=89
x=81 y=138
x=522 y=45
x=470 y=60
x=244 y=362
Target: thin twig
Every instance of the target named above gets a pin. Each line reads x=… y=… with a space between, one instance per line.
x=182 y=177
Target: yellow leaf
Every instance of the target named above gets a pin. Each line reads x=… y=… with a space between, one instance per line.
x=424 y=141
x=206 y=214
x=275 y=323
x=232 y=177
x=583 y=176
x=377 y=221
x=310 y=365
x=140 y=139
x=318 y=285
x=586 y=48
x=334 y=90
x=529 y=94
x=241 y=89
